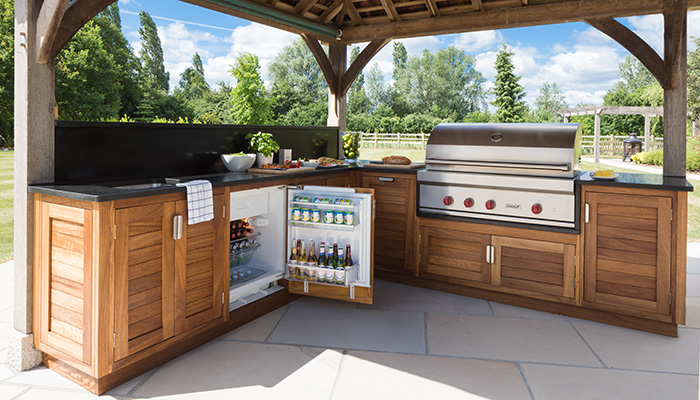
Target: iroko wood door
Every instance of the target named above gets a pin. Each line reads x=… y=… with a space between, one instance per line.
x=63 y=281
x=200 y=269
x=395 y=221
x=143 y=277
x=628 y=254
x=447 y=254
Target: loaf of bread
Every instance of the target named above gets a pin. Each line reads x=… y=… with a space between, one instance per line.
x=400 y=160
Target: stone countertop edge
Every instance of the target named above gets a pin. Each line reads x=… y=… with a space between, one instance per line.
x=642 y=181
x=98 y=193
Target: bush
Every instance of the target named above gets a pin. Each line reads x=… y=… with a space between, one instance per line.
x=656 y=157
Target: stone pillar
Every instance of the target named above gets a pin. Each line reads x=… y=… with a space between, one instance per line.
x=675 y=95
x=596 y=137
x=647 y=130
x=34 y=163
x=337 y=101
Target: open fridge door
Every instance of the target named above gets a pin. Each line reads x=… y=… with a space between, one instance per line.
x=329 y=215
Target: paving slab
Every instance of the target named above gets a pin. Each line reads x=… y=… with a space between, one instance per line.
x=692 y=285
x=630 y=349
x=370 y=375
x=257 y=330
x=42 y=377
x=337 y=327
x=395 y=296
x=509 y=339
x=692 y=312
x=235 y=370
x=44 y=394
x=549 y=382
x=8 y=392
x=505 y=310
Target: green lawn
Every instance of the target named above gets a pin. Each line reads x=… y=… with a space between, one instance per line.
x=7 y=184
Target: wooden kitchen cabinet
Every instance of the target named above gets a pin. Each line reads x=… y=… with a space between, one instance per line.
x=454 y=255
x=165 y=286
x=395 y=223
x=628 y=252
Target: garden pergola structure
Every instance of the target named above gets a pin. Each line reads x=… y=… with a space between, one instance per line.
x=43 y=27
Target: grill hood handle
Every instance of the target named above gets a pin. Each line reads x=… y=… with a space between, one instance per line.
x=547 y=167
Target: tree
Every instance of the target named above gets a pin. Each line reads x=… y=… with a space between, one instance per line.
x=251 y=105
x=7 y=71
x=358 y=102
x=128 y=66
x=400 y=58
x=192 y=85
x=377 y=90
x=548 y=102
x=298 y=86
x=509 y=94
x=85 y=78
x=154 y=72
x=444 y=84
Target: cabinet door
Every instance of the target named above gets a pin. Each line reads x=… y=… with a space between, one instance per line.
x=534 y=268
x=63 y=279
x=143 y=277
x=395 y=194
x=628 y=254
x=456 y=255
x=200 y=268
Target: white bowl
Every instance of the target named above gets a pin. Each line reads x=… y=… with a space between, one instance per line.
x=238 y=163
x=309 y=164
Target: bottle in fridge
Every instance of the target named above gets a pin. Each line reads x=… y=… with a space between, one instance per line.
x=285 y=252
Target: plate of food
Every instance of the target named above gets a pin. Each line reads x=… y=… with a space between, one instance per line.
x=604 y=175
x=330 y=162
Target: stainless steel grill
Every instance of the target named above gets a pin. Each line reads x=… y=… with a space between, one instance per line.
x=521 y=173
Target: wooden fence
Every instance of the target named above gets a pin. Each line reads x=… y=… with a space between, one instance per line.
x=394 y=140
x=611 y=145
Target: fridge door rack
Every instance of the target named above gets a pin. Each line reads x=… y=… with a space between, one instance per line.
x=321 y=225
x=351 y=274
x=322 y=206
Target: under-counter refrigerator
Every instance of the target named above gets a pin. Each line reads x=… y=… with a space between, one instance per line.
x=266 y=224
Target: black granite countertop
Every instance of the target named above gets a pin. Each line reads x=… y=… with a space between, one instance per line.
x=99 y=192
x=642 y=181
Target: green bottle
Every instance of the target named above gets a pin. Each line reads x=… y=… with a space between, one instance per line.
x=340 y=268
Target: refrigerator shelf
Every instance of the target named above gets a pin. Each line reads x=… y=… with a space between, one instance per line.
x=351 y=275
x=242 y=256
x=322 y=206
x=241 y=274
x=242 y=238
x=321 y=225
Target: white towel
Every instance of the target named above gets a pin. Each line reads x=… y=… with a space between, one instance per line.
x=200 y=201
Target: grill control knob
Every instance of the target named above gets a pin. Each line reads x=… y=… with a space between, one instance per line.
x=536 y=208
x=490 y=204
x=468 y=202
x=448 y=200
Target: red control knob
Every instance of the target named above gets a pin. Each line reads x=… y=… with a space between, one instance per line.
x=448 y=200
x=468 y=202
x=490 y=204
x=536 y=208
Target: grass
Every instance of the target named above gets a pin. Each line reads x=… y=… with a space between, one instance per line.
x=416 y=155
x=7 y=184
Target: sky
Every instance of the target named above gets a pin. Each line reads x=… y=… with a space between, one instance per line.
x=579 y=59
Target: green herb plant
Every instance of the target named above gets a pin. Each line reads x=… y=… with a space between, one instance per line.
x=263 y=143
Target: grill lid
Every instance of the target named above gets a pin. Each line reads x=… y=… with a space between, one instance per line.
x=516 y=135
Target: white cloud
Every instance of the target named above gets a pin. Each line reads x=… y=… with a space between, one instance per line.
x=478 y=41
x=650 y=28
x=576 y=97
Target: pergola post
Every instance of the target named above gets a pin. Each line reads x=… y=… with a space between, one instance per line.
x=596 y=136
x=675 y=96
x=34 y=163
x=337 y=100
x=647 y=131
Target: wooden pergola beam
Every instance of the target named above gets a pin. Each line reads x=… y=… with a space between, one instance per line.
x=633 y=43
x=675 y=89
x=361 y=61
x=47 y=26
x=76 y=15
x=323 y=62
x=531 y=15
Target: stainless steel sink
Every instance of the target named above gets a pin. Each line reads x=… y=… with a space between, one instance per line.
x=149 y=184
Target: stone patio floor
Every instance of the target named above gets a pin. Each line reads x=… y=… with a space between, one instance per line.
x=411 y=344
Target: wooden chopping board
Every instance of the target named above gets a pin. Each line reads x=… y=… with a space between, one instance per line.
x=279 y=171
x=397 y=166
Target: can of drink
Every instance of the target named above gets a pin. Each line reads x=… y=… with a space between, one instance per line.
x=326 y=200
x=305 y=214
x=315 y=215
x=328 y=217
x=296 y=214
x=317 y=200
x=338 y=217
x=349 y=217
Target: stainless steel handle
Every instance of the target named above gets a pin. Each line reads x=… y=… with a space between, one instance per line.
x=489 y=254
x=177 y=227
x=493 y=254
x=383 y=179
x=548 y=167
x=587 y=213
